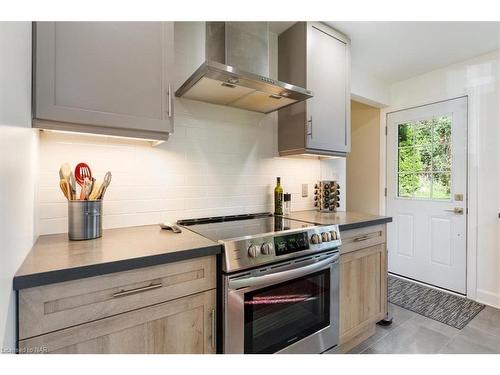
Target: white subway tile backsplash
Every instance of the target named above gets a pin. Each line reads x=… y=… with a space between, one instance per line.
x=50 y=226
x=219 y=161
x=52 y=210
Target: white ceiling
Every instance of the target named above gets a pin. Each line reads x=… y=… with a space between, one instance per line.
x=395 y=51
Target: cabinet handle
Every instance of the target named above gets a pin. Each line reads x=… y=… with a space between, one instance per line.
x=310 y=121
x=361 y=238
x=169 y=93
x=212 y=338
x=124 y=293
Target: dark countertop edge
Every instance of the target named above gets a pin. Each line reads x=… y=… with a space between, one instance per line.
x=365 y=223
x=57 y=276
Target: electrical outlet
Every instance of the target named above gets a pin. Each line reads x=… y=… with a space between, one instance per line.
x=305 y=190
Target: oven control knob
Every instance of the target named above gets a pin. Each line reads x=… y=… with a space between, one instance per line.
x=325 y=237
x=253 y=251
x=315 y=239
x=265 y=249
x=334 y=235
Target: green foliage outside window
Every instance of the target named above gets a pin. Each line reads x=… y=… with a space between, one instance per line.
x=424 y=159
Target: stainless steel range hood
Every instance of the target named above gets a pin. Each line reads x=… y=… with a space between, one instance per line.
x=236 y=70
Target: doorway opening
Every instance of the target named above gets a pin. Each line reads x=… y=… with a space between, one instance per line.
x=363 y=162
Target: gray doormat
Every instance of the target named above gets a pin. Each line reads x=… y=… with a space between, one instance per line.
x=434 y=304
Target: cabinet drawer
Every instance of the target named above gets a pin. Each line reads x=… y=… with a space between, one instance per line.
x=356 y=239
x=185 y=325
x=57 y=306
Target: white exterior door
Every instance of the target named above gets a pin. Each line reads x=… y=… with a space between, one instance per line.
x=426 y=193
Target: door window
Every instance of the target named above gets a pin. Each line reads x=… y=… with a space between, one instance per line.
x=281 y=314
x=424 y=159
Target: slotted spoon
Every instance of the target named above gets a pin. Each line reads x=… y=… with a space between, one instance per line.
x=82 y=171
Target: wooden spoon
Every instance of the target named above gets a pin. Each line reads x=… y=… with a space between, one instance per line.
x=65 y=171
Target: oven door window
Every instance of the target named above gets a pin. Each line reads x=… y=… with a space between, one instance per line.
x=281 y=314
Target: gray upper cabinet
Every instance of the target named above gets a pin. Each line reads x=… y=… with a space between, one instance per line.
x=315 y=56
x=111 y=78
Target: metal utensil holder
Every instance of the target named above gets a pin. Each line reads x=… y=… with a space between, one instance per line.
x=84 y=220
x=327 y=196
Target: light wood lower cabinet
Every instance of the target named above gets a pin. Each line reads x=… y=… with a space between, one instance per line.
x=168 y=308
x=58 y=306
x=363 y=291
x=185 y=325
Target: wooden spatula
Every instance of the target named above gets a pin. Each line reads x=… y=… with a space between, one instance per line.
x=95 y=191
x=64 y=185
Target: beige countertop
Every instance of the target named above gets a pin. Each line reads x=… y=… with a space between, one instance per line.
x=345 y=219
x=54 y=258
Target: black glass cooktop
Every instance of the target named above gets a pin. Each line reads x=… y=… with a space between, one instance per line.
x=227 y=227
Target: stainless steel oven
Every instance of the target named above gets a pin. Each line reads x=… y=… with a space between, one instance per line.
x=280 y=283
x=288 y=307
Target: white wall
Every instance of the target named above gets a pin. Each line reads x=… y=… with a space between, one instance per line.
x=18 y=150
x=219 y=161
x=369 y=90
x=480 y=79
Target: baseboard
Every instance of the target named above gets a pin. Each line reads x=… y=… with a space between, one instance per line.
x=488 y=298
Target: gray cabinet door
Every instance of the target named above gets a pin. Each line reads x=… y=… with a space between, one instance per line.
x=328 y=112
x=105 y=75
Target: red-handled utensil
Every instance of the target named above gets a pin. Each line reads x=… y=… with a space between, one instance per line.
x=82 y=171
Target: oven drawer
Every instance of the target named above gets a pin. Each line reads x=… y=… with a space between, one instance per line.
x=356 y=239
x=291 y=308
x=52 y=307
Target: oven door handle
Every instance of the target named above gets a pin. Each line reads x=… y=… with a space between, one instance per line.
x=277 y=277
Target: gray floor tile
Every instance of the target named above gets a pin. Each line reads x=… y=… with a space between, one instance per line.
x=461 y=345
x=370 y=350
x=445 y=329
x=379 y=334
x=487 y=320
x=410 y=338
x=399 y=316
x=414 y=333
x=482 y=338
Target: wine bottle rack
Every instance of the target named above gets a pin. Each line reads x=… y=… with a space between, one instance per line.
x=327 y=196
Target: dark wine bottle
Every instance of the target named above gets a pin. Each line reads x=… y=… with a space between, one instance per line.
x=278 y=198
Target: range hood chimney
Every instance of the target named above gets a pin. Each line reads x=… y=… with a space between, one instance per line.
x=236 y=70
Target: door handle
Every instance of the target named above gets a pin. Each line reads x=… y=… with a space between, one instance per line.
x=457 y=210
x=362 y=238
x=213 y=327
x=169 y=102
x=256 y=281
x=124 y=293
